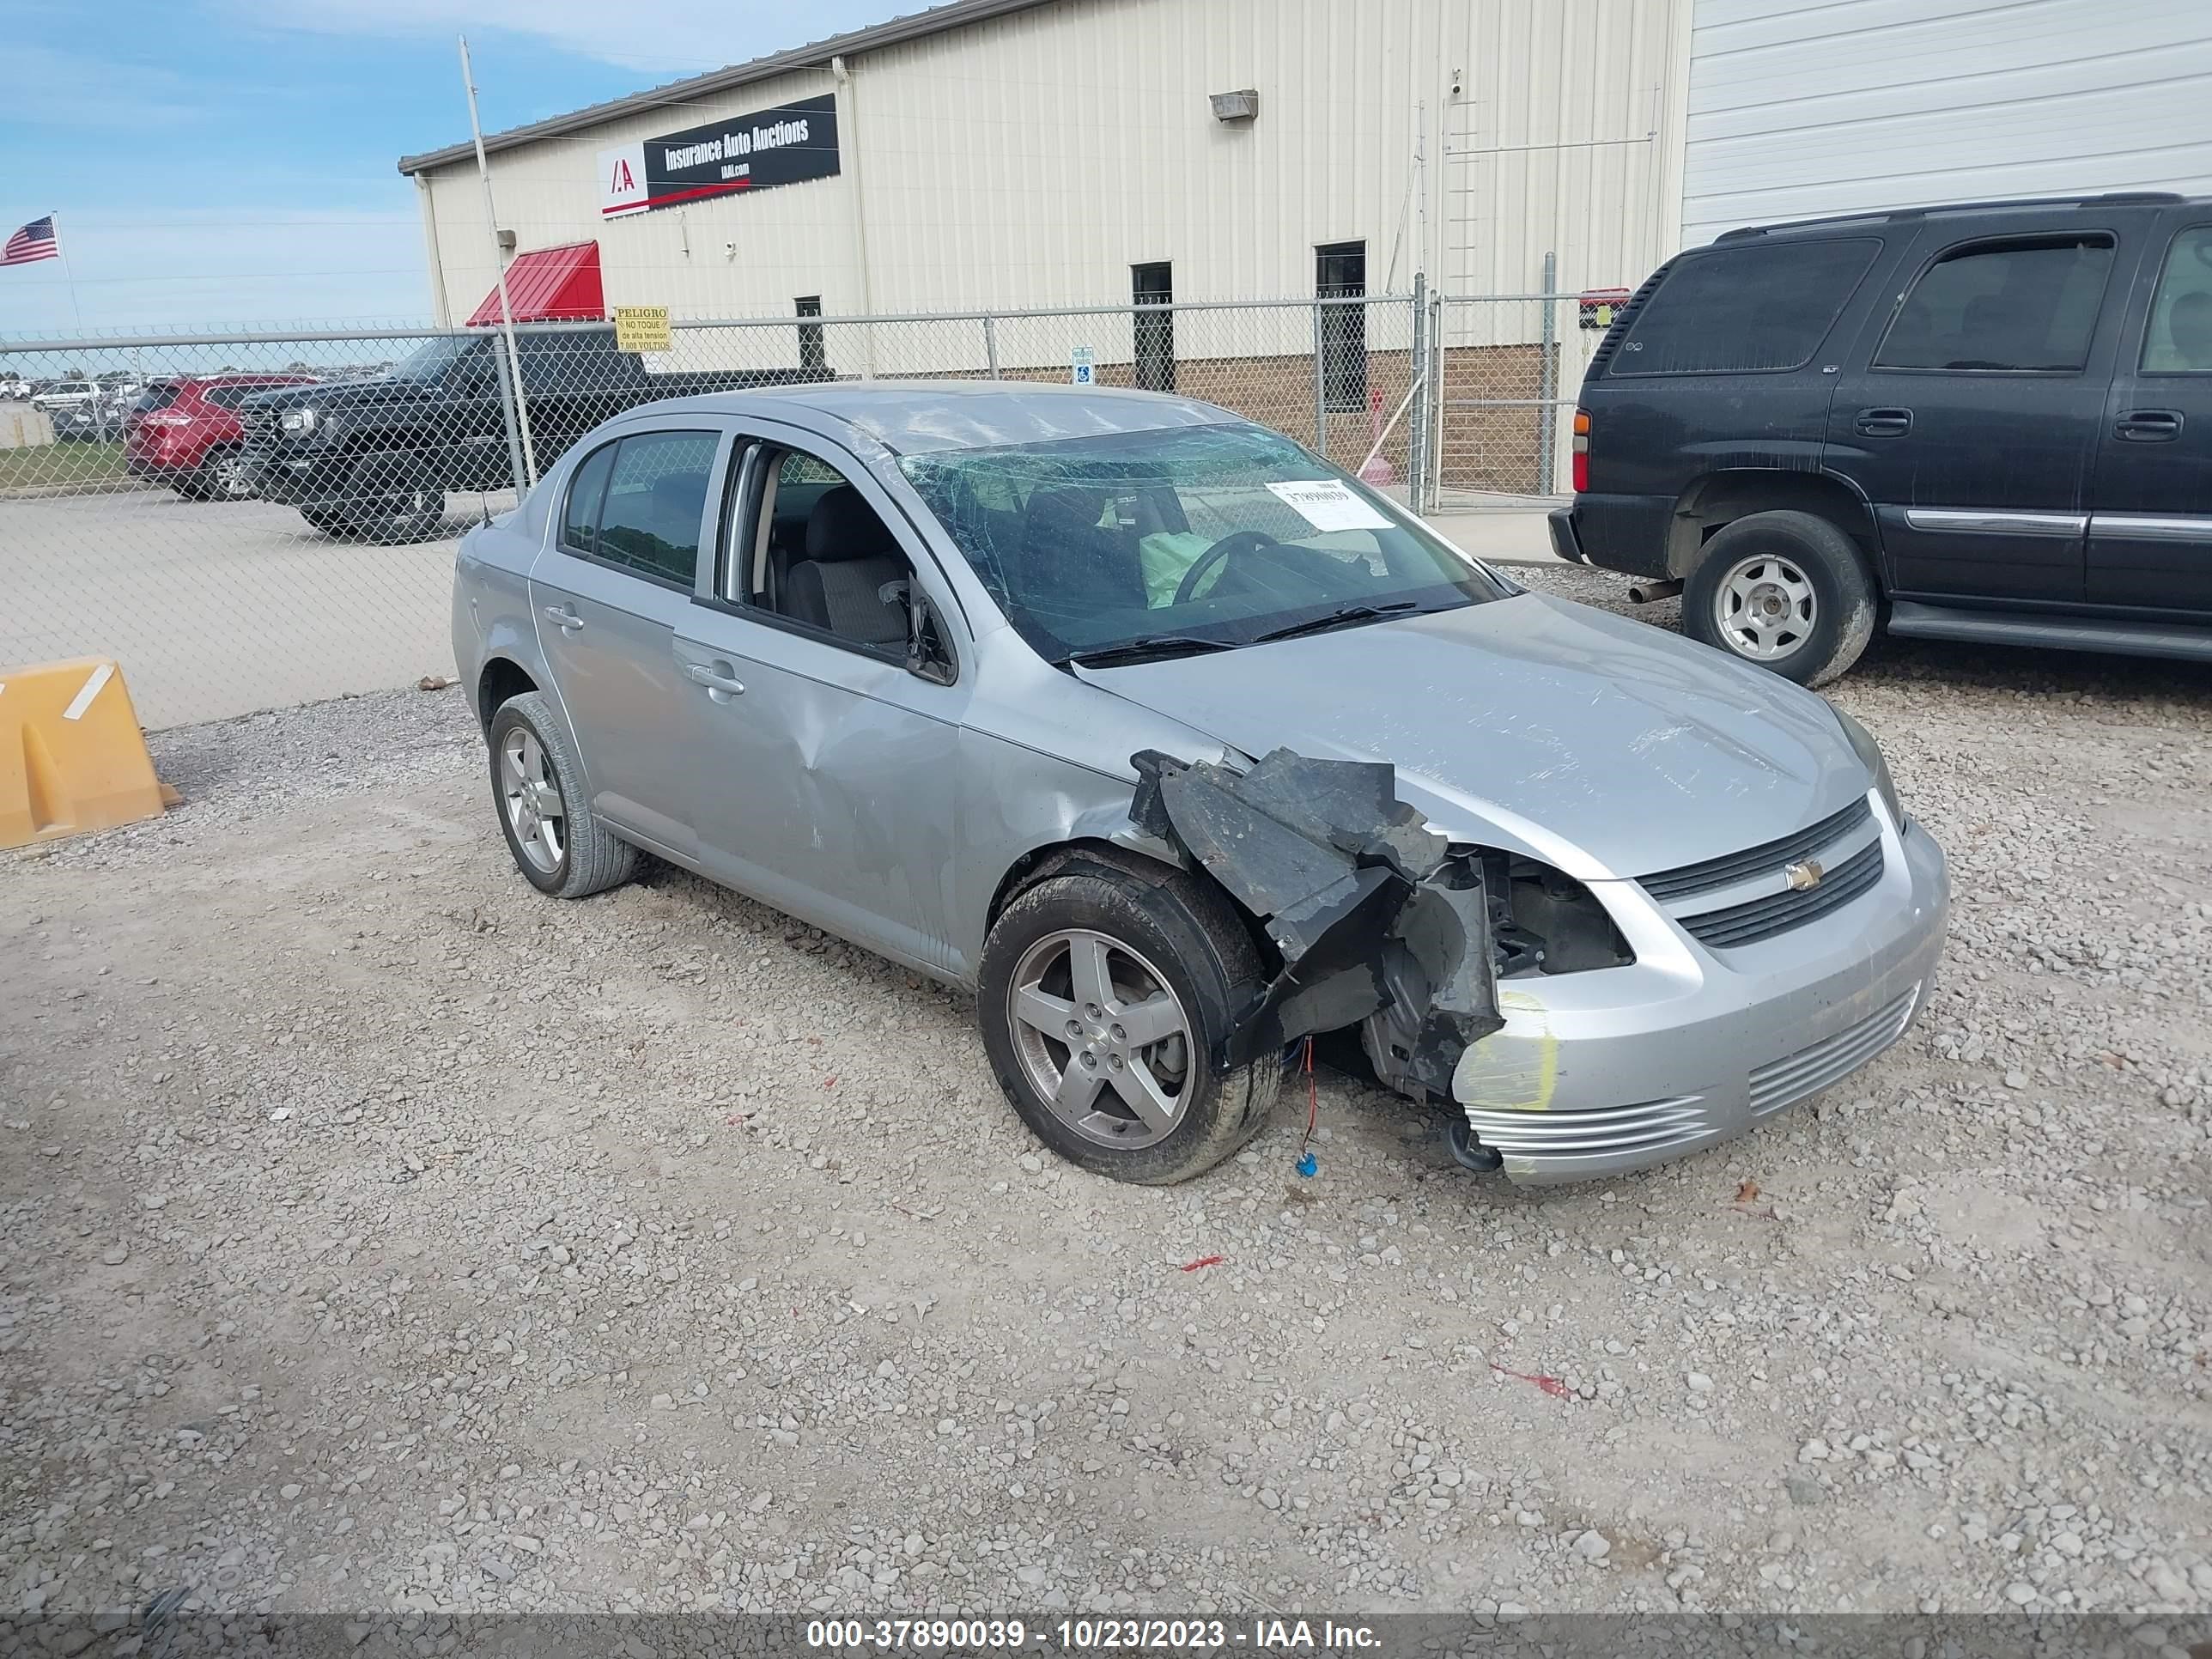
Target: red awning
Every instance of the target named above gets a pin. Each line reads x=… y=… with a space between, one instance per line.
x=549 y=285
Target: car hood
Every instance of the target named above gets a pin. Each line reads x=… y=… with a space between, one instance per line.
x=1604 y=746
x=341 y=394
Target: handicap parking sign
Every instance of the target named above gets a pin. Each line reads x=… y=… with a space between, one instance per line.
x=1082 y=367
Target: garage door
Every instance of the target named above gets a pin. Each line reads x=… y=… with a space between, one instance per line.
x=1797 y=109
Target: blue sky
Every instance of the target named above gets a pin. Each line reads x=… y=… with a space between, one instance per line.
x=220 y=161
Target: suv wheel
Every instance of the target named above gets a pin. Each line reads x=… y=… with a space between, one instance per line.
x=1100 y=995
x=393 y=499
x=1788 y=591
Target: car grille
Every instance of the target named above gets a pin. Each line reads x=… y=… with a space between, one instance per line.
x=1648 y=1126
x=1780 y=1082
x=1777 y=913
x=258 y=428
x=1769 y=860
x=1783 y=908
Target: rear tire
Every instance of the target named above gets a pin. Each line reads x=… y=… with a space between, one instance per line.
x=1174 y=957
x=1784 y=591
x=537 y=791
x=335 y=524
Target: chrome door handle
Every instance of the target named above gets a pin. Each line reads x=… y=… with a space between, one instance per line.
x=715 y=677
x=1883 y=422
x=568 y=620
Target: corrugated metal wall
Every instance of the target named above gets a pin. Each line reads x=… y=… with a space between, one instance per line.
x=1797 y=110
x=1031 y=159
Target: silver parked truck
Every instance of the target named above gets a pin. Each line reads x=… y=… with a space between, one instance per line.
x=1178 y=747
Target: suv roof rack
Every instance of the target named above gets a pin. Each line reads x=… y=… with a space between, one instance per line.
x=1881 y=215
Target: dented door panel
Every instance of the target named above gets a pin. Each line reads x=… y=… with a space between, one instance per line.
x=830 y=786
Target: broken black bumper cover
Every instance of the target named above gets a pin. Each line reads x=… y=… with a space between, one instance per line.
x=1376 y=917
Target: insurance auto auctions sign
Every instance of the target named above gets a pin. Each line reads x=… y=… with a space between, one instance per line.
x=779 y=146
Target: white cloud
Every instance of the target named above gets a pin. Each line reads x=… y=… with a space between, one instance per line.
x=665 y=38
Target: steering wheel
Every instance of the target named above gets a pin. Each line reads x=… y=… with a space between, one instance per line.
x=1236 y=541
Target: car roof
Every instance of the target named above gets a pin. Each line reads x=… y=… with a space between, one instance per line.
x=913 y=417
x=2054 y=204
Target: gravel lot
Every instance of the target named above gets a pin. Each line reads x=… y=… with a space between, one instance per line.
x=376 y=1234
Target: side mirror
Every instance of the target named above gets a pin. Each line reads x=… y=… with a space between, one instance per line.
x=926 y=656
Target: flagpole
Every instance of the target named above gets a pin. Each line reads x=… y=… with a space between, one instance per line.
x=499 y=269
x=68 y=276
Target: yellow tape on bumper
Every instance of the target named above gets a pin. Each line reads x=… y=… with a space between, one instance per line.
x=72 y=758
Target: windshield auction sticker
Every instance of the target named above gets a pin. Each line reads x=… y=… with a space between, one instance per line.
x=1328 y=504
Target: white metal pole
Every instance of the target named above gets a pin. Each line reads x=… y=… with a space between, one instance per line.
x=76 y=310
x=506 y=311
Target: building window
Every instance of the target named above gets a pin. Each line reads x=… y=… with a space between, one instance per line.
x=813 y=348
x=1154 y=285
x=1340 y=273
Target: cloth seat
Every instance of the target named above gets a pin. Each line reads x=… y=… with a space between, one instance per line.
x=850 y=557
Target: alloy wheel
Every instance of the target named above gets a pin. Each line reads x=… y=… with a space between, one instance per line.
x=1764 y=607
x=531 y=798
x=1104 y=1041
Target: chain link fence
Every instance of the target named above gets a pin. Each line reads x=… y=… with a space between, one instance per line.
x=247 y=521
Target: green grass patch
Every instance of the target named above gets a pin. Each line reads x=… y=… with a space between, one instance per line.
x=59 y=464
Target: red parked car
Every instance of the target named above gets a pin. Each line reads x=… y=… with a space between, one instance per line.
x=185 y=432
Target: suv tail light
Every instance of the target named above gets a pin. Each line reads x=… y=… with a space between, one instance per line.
x=1582 y=451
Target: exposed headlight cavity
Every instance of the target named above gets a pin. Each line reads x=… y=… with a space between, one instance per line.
x=1869 y=754
x=1545 y=922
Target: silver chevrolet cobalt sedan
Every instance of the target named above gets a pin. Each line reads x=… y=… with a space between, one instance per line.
x=1182 y=749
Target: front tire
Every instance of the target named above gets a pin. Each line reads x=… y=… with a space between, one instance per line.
x=1785 y=590
x=1102 y=994
x=537 y=790
x=393 y=499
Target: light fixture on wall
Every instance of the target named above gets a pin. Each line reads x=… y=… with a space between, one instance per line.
x=1235 y=106
x=507 y=241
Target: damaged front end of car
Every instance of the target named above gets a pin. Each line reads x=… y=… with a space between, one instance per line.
x=1379 y=922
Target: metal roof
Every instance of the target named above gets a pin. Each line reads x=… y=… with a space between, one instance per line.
x=814 y=55
x=549 y=285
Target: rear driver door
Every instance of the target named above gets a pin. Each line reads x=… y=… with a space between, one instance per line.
x=610 y=593
x=1968 y=415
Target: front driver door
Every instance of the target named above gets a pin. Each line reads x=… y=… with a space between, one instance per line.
x=2150 y=524
x=826 y=776
x=608 y=595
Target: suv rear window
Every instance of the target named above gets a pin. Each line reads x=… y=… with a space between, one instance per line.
x=159 y=395
x=1744 y=309
x=2018 y=305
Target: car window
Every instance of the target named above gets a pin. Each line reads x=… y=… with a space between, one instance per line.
x=2007 y=305
x=1744 y=309
x=823 y=558
x=158 y=395
x=656 y=497
x=1221 y=534
x=2179 y=339
x=229 y=397
x=579 y=520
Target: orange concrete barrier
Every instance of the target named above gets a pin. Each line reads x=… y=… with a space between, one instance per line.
x=72 y=758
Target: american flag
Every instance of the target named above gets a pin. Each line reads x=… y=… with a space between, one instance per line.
x=36 y=241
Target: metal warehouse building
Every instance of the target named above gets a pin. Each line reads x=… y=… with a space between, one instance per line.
x=996 y=155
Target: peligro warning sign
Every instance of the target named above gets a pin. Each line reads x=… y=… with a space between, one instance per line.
x=642 y=328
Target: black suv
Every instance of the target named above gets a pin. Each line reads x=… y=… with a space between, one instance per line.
x=1988 y=422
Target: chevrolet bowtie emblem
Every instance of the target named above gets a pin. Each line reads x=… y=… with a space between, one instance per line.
x=1803 y=877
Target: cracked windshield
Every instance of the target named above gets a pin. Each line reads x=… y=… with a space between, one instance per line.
x=1128 y=545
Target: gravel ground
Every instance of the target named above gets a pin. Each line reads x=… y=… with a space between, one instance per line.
x=375 y=1235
